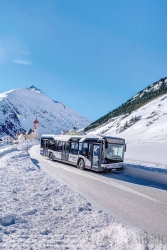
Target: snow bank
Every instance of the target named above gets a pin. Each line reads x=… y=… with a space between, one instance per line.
x=155 y=167
x=37 y=212
x=148 y=171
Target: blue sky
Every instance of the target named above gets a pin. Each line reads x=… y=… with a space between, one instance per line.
x=90 y=55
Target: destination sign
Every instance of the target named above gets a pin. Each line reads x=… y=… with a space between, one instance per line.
x=115 y=140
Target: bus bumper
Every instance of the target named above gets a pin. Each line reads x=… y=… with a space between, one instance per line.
x=117 y=166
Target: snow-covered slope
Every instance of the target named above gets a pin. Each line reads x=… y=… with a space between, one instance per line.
x=20 y=107
x=157 y=86
x=147 y=123
x=145 y=131
x=146 y=95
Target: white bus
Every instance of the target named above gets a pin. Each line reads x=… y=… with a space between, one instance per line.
x=99 y=153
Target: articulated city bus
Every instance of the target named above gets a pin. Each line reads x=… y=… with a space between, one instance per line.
x=99 y=153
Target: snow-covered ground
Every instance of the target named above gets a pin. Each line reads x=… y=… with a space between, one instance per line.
x=38 y=212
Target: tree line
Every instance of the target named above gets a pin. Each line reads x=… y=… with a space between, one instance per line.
x=132 y=104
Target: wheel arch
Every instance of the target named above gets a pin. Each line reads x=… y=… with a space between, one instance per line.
x=79 y=158
x=78 y=163
x=50 y=153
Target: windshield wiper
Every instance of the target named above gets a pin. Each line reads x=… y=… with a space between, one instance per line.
x=113 y=160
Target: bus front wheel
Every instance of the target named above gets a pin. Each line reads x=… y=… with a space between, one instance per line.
x=81 y=164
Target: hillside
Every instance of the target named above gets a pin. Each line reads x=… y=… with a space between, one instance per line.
x=145 y=131
x=141 y=98
x=20 y=107
x=149 y=119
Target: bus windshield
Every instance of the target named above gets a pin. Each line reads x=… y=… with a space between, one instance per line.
x=113 y=152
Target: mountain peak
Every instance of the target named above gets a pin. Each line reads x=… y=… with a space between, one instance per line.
x=35 y=89
x=19 y=107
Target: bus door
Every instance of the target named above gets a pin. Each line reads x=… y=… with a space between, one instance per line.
x=45 y=148
x=96 y=156
x=65 y=152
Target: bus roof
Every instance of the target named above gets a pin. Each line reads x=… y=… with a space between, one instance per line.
x=99 y=138
x=67 y=137
x=82 y=138
x=61 y=137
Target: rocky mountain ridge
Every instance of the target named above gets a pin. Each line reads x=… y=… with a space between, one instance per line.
x=20 y=107
x=141 y=98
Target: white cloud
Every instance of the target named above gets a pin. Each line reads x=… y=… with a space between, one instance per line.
x=20 y=61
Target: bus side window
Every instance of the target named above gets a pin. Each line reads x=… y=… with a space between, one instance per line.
x=59 y=146
x=67 y=147
x=90 y=151
x=74 y=148
x=80 y=148
x=85 y=149
x=49 y=144
x=42 y=143
x=52 y=145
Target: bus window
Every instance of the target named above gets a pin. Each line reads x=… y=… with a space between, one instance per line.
x=53 y=145
x=42 y=143
x=49 y=144
x=59 y=146
x=74 y=148
x=90 y=151
x=85 y=149
x=114 y=151
x=67 y=147
x=80 y=148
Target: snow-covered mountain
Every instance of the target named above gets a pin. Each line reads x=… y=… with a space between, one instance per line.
x=143 y=117
x=141 y=98
x=145 y=132
x=153 y=89
x=146 y=123
x=20 y=107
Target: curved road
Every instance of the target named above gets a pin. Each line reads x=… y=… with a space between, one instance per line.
x=130 y=200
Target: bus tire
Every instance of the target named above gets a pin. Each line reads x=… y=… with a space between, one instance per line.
x=81 y=164
x=51 y=156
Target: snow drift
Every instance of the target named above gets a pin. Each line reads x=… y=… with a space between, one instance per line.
x=38 y=212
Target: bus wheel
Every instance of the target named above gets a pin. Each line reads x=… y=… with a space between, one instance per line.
x=81 y=164
x=51 y=156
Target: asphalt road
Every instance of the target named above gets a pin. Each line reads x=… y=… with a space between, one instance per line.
x=130 y=200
